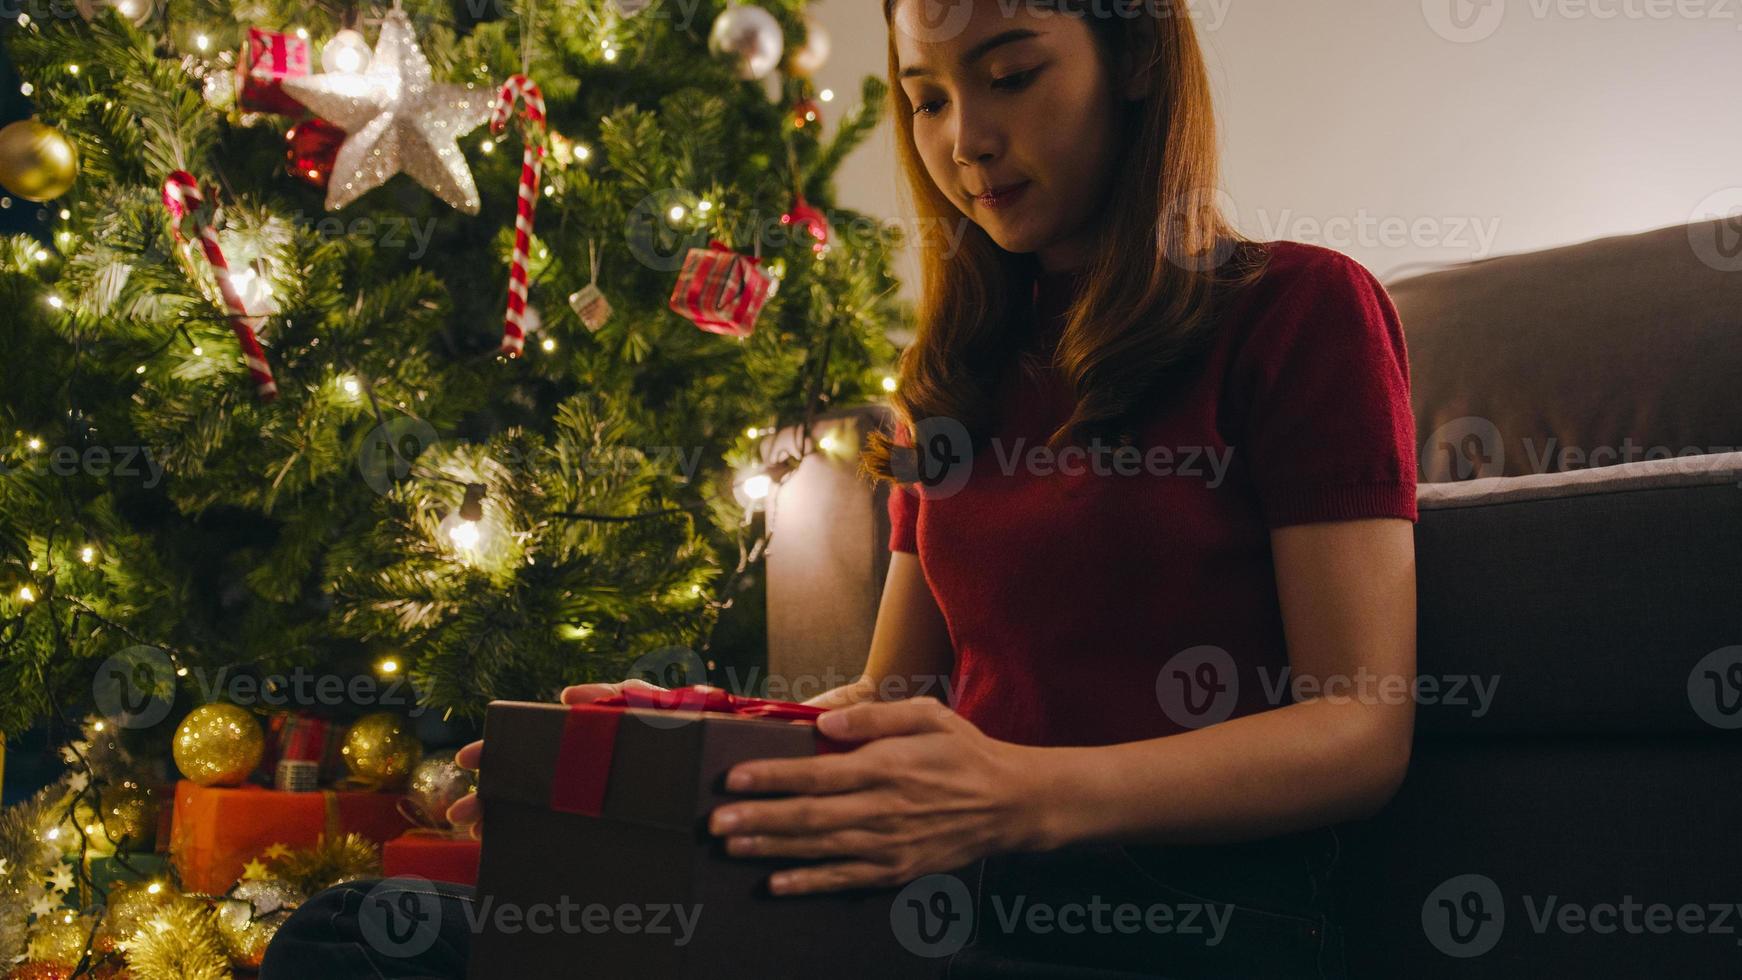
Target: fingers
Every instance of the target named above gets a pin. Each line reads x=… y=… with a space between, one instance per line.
x=471 y=756
x=465 y=810
x=588 y=693
x=835 y=773
x=832 y=845
x=805 y=814
x=880 y=719
x=833 y=877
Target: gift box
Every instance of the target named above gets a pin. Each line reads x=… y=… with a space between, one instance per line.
x=431 y=854
x=595 y=827
x=268 y=58
x=216 y=831
x=722 y=291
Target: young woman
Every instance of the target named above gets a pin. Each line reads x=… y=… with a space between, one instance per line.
x=1156 y=542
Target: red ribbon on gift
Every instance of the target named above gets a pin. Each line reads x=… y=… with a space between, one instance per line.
x=583 y=769
x=719 y=290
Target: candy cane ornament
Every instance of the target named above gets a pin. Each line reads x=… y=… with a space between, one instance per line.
x=183 y=199
x=521 y=89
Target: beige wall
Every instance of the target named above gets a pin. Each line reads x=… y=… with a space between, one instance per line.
x=1380 y=128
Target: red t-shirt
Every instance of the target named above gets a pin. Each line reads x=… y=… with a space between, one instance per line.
x=1101 y=599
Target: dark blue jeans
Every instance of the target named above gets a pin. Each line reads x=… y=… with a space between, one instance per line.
x=1087 y=912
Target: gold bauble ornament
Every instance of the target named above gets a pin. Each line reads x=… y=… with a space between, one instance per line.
x=250 y=916
x=126 y=816
x=59 y=939
x=37 y=161
x=381 y=750
x=436 y=784
x=131 y=905
x=218 y=744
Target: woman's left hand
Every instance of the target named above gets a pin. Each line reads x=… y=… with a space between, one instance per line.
x=929 y=792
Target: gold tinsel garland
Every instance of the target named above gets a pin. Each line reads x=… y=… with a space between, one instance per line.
x=181 y=942
x=329 y=863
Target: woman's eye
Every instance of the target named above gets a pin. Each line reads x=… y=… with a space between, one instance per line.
x=1018 y=80
x=922 y=108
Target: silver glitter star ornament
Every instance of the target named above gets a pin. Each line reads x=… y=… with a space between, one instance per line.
x=396 y=119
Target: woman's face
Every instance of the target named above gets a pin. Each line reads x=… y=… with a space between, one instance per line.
x=1013 y=99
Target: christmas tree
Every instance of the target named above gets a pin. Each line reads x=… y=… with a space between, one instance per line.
x=437 y=340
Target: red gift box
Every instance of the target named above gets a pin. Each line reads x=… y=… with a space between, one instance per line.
x=216 y=831
x=722 y=291
x=433 y=855
x=268 y=58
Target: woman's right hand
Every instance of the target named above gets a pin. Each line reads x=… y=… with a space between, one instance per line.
x=466 y=812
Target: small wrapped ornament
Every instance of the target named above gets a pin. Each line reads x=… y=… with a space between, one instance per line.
x=311 y=147
x=589 y=302
x=721 y=290
x=268 y=58
x=305 y=737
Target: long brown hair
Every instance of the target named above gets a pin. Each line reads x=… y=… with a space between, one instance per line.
x=1164 y=250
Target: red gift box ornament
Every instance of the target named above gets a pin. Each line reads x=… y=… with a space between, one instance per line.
x=268 y=58
x=721 y=290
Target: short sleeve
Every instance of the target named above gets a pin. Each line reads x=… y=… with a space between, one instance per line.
x=1328 y=432
x=903 y=507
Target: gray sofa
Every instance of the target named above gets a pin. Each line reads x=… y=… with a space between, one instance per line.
x=1583 y=816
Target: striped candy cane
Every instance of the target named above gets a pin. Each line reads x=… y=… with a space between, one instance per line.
x=182 y=197
x=521 y=88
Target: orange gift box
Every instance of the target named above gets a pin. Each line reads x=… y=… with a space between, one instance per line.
x=216 y=831
x=438 y=857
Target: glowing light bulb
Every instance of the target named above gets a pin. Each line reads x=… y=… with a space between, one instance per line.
x=34 y=443
x=199 y=351
x=827 y=444
x=346 y=54
x=26 y=594
x=756 y=487
x=88 y=554
x=352 y=387
x=154 y=888
x=465 y=535
x=388 y=665
x=487 y=146
x=753 y=432
x=582 y=152
x=827 y=95
x=548 y=344
x=56 y=301
x=26 y=88
x=705 y=206
x=677 y=213
x=202 y=42
x=99 y=726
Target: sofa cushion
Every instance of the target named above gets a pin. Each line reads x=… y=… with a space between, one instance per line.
x=1584 y=602
x=1591 y=354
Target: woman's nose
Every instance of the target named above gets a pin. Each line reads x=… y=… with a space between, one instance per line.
x=978 y=139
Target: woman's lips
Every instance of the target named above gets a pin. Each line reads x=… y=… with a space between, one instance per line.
x=1002 y=197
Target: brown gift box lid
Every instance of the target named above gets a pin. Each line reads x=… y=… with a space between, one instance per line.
x=647 y=855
